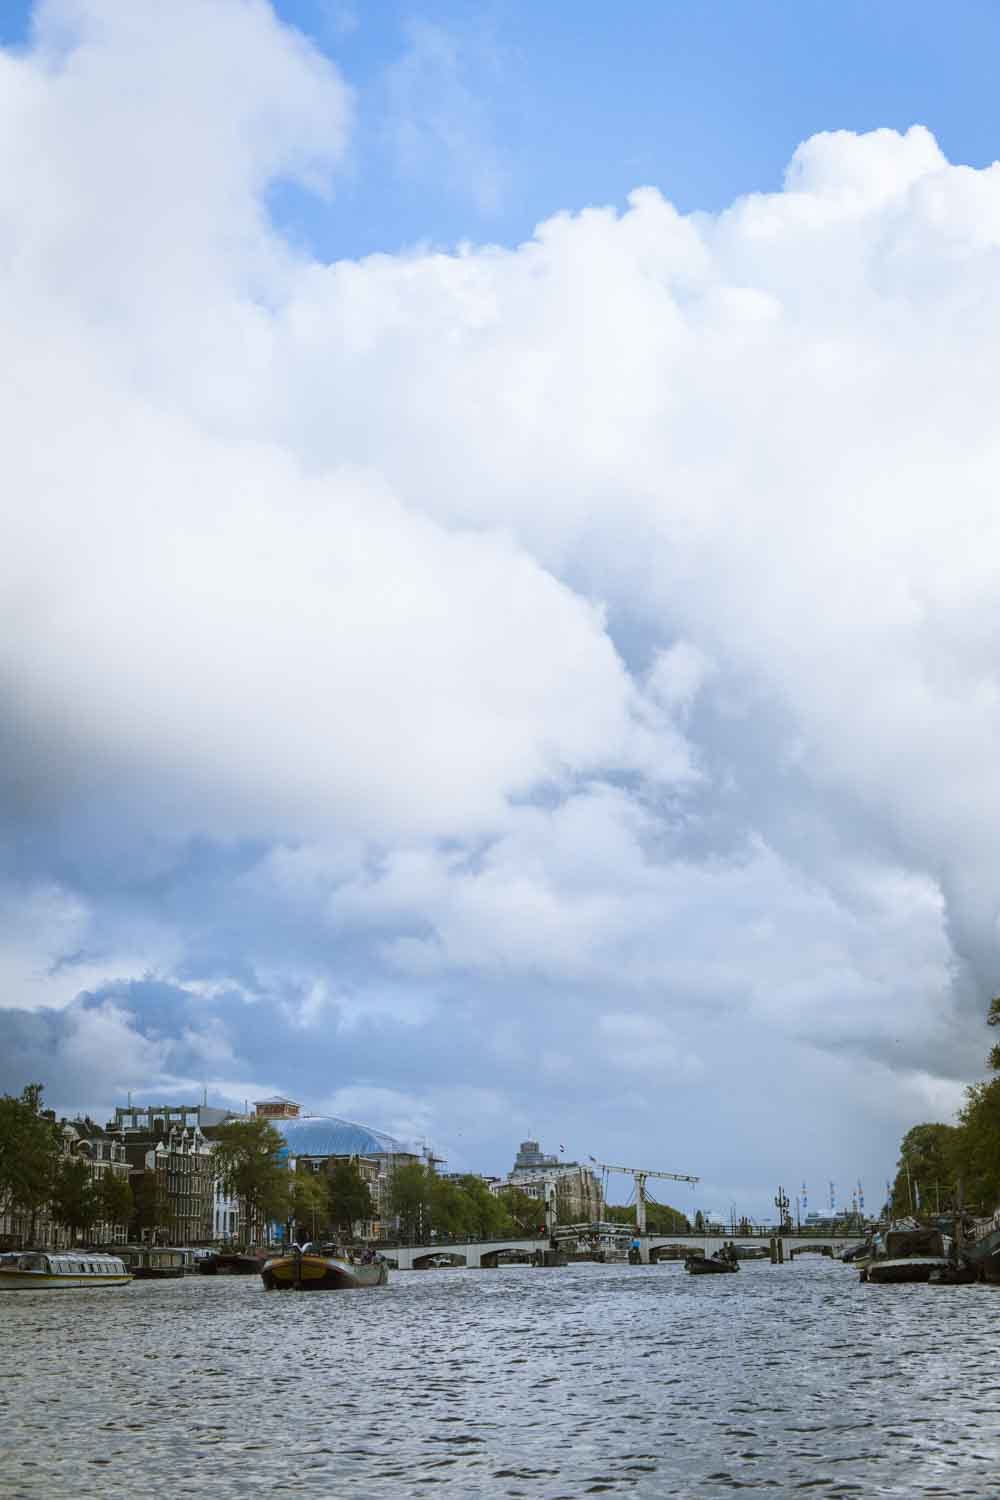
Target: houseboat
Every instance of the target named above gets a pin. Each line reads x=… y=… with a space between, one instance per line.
x=309 y=1270
x=153 y=1262
x=39 y=1270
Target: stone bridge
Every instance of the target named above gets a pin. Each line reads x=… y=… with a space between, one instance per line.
x=484 y=1254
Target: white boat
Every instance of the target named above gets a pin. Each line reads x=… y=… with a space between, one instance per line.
x=39 y=1271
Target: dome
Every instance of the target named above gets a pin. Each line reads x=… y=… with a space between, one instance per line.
x=325 y=1135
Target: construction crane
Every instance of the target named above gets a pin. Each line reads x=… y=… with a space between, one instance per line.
x=640 y=1174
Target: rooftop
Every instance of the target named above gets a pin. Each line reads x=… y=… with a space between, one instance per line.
x=327 y=1135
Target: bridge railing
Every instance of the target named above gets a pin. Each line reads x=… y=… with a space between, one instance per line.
x=725 y=1231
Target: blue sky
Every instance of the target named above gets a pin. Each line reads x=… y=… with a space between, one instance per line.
x=543 y=690
x=576 y=104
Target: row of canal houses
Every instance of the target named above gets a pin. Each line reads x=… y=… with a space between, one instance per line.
x=170 y=1145
x=173 y=1145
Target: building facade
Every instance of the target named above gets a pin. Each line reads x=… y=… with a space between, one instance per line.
x=576 y=1190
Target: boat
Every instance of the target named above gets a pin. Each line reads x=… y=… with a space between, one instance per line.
x=153 y=1262
x=38 y=1270
x=981 y=1248
x=711 y=1265
x=605 y=1242
x=907 y=1254
x=336 y=1269
x=234 y=1263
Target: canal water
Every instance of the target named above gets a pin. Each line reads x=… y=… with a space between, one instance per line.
x=616 y=1380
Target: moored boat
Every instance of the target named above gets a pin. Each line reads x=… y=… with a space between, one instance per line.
x=907 y=1254
x=153 y=1262
x=319 y=1270
x=38 y=1270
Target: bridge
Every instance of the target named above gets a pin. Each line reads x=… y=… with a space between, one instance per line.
x=484 y=1254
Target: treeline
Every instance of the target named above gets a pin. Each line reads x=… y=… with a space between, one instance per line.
x=660 y=1218
x=425 y=1203
x=939 y=1164
x=40 y=1181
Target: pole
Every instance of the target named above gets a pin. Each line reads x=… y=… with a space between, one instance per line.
x=640 y=1203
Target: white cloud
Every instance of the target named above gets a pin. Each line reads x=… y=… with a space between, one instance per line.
x=615 y=614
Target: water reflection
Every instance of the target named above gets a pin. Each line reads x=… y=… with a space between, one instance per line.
x=515 y=1382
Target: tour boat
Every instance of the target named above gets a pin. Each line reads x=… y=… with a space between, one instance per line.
x=38 y=1271
x=317 y=1271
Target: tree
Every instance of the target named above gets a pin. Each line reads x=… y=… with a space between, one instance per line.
x=115 y=1200
x=483 y=1215
x=310 y=1204
x=29 y=1154
x=977 y=1150
x=526 y=1214
x=410 y=1199
x=993 y=1019
x=75 y=1202
x=350 y=1201
x=926 y=1170
x=249 y=1158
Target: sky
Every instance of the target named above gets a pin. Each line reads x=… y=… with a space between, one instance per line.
x=498 y=604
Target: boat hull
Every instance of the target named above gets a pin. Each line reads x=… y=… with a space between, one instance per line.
x=704 y=1265
x=321 y=1273
x=906 y=1268
x=37 y=1281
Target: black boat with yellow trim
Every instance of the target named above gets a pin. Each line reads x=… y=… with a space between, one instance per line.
x=335 y=1269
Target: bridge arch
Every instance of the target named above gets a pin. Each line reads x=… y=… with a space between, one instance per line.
x=437 y=1260
x=505 y=1255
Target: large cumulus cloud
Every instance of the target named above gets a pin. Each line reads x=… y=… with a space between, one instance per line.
x=535 y=687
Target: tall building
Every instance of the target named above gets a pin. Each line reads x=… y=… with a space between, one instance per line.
x=577 y=1190
x=169 y=1142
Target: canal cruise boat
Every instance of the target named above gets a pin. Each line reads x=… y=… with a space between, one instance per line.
x=56 y=1270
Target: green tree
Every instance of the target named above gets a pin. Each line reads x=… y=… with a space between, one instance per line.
x=977 y=1151
x=310 y=1204
x=115 y=1201
x=926 y=1170
x=410 y=1199
x=483 y=1215
x=350 y=1201
x=29 y=1154
x=249 y=1158
x=526 y=1214
x=75 y=1202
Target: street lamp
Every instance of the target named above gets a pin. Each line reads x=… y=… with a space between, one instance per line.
x=781 y=1204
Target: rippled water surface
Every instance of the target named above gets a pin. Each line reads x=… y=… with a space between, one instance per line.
x=542 y=1383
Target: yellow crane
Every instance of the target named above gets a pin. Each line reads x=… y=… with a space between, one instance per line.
x=640 y=1174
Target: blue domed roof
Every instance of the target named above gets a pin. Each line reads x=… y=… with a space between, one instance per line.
x=325 y=1135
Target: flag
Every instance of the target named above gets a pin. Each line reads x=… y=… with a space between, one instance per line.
x=861 y=1196
x=833 y=1197
x=805 y=1200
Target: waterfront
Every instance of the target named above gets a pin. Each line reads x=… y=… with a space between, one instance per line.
x=517 y=1382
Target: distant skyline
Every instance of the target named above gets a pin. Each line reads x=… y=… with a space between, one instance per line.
x=500 y=575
